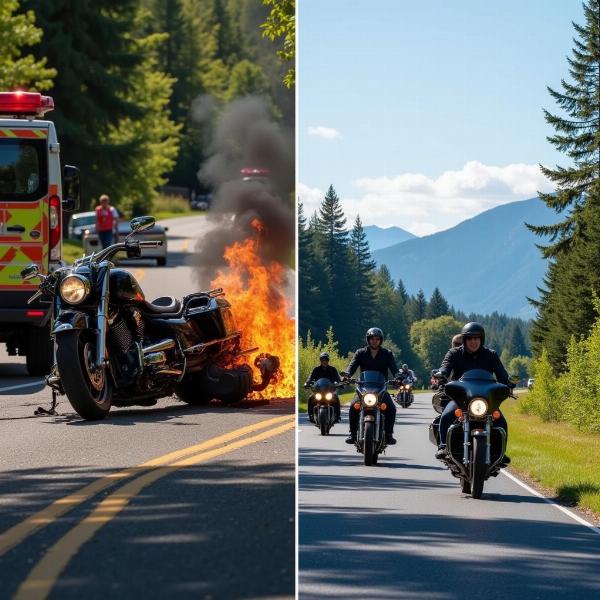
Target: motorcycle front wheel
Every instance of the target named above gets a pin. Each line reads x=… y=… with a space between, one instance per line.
x=369 y=444
x=323 y=421
x=478 y=467
x=89 y=391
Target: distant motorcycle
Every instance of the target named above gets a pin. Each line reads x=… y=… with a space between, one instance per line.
x=405 y=396
x=475 y=448
x=370 y=389
x=112 y=347
x=324 y=394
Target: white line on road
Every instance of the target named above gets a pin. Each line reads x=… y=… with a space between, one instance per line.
x=21 y=385
x=564 y=510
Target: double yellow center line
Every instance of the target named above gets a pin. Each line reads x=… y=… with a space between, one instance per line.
x=44 y=575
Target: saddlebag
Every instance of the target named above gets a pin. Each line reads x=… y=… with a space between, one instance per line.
x=434 y=431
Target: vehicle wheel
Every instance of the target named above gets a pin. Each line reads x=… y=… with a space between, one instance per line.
x=323 y=422
x=478 y=467
x=161 y=262
x=188 y=391
x=465 y=486
x=40 y=351
x=369 y=444
x=88 y=392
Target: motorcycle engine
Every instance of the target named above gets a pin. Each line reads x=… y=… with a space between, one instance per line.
x=125 y=331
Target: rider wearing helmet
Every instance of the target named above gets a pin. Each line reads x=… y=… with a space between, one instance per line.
x=407 y=375
x=373 y=357
x=472 y=354
x=328 y=372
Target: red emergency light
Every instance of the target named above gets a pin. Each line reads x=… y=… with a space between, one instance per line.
x=25 y=104
x=250 y=172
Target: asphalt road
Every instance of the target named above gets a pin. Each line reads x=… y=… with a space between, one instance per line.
x=403 y=529
x=84 y=514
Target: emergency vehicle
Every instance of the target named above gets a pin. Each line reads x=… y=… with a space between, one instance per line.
x=31 y=207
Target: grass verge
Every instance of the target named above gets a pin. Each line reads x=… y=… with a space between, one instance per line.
x=72 y=250
x=556 y=456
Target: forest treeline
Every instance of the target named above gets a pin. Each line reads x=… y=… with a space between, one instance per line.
x=343 y=292
x=137 y=84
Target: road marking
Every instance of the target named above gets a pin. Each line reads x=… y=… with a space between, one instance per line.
x=21 y=385
x=43 y=576
x=16 y=534
x=562 y=509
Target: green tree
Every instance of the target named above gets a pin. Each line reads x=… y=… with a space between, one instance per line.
x=519 y=366
x=431 y=339
x=363 y=268
x=19 y=71
x=281 y=23
x=437 y=306
x=93 y=48
x=245 y=79
x=515 y=344
x=416 y=308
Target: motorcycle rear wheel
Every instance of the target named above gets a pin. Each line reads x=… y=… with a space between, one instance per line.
x=88 y=391
x=369 y=444
x=478 y=467
x=323 y=422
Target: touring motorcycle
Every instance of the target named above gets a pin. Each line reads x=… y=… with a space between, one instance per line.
x=113 y=347
x=324 y=394
x=475 y=448
x=405 y=396
x=371 y=388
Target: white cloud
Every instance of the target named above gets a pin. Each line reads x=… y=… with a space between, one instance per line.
x=325 y=133
x=310 y=197
x=424 y=205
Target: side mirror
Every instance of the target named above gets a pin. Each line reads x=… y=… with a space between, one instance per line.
x=142 y=223
x=71 y=188
x=30 y=272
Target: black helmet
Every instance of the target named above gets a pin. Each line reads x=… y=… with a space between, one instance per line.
x=323 y=355
x=405 y=366
x=473 y=330
x=374 y=332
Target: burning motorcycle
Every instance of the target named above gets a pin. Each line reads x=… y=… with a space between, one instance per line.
x=371 y=388
x=113 y=347
x=475 y=448
x=324 y=396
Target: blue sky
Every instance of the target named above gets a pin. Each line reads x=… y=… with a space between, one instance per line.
x=424 y=113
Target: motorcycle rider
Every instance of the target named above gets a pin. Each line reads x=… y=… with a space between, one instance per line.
x=328 y=372
x=472 y=354
x=407 y=375
x=373 y=357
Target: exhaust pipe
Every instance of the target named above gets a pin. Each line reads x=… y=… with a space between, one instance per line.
x=159 y=346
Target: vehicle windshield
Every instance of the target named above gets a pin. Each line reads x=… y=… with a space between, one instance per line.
x=83 y=221
x=371 y=378
x=23 y=169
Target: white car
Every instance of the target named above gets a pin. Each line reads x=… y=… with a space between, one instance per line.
x=530 y=383
x=79 y=222
x=92 y=244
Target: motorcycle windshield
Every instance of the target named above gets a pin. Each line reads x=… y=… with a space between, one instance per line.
x=477 y=383
x=322 y=385
x=371 y=381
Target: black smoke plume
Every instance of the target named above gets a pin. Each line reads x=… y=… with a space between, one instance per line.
x=245 y=136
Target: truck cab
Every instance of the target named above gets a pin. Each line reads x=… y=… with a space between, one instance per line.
x=31 y=221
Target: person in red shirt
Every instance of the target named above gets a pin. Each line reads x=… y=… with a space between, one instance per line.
x=106 y=221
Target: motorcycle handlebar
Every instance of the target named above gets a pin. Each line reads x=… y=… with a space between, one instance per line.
x=151 y=244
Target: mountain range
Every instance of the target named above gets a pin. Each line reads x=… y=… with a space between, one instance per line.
x=484 y=264
x=379 y=237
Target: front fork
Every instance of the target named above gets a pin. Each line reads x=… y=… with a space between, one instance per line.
x=102 y=321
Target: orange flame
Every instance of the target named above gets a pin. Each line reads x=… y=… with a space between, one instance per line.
x=261 y=309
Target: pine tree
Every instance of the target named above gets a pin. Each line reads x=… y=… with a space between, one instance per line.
x=437 y=306
x=332 y=238
x=18 y=71
x=92 y=47
x=402 y=291
x=515 y=345
x=363 y=268
x=577 y=135
x=416 y=308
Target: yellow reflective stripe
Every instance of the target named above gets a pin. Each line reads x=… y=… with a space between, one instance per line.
x=9 y=133
x=41 y=133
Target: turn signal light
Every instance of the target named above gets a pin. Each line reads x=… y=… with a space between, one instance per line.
x=357 y=406
x=496 y=415
x=383 y=406
x=458 y=413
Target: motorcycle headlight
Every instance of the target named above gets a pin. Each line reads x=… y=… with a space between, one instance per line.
x=328 y=396
x=318 y=396
x=370 y=399
x=407 y=387
x=74 y=289
x=478 y=407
